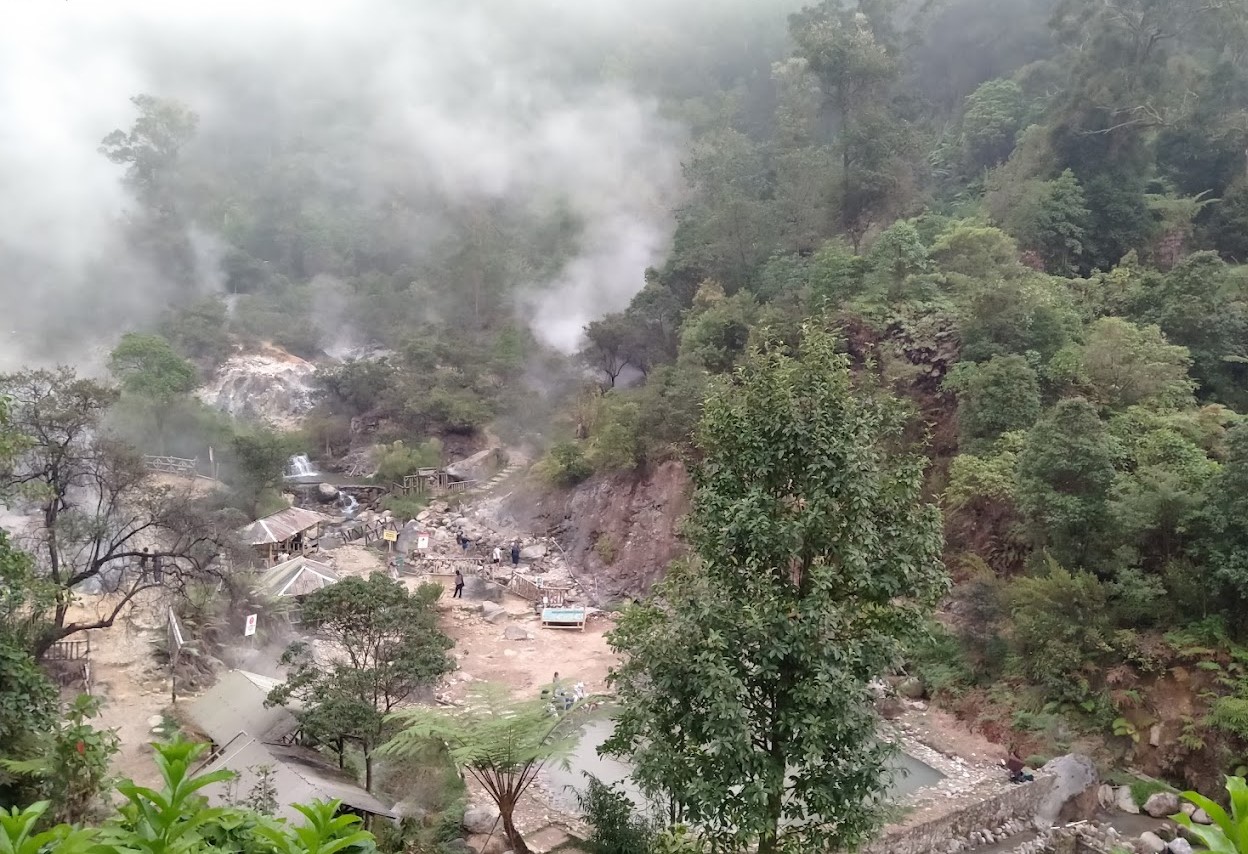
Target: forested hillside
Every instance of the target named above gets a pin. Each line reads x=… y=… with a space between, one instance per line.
x=1027 y=217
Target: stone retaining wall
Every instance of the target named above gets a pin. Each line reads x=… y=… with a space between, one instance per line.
x=966 y=827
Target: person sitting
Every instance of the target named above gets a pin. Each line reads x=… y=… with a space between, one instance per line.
x=1017 y=768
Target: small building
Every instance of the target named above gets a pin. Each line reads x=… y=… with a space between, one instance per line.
x=298 y=776
x=293 y=531
x=298 y=577
x=235 y=705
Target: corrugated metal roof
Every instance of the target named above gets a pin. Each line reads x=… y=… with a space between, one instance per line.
x=300 y=776
x=236 y=704
x=281 y=526
x=298 y=576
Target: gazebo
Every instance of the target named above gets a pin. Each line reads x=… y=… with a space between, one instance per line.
x=293 y=531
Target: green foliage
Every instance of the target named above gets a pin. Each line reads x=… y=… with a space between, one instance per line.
x=176 y=817
x=502 y=743
x=796 y=497
x=1125 y=365
x=71 y=763
x=147 y=365
x=1227 y=834
x=565 y=464
x=396 y=460
x=1065 y=471
x=1051 y=219
x=989 y=477
x=993 y=117
x=997 y=397
x=258 y=465
x=386 y=643
x=1060 y=630
x=617 y=829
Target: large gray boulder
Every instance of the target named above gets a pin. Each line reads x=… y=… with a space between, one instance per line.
x=1073 y=793
x=1179 y=846
x=1162 y=804
x=480 y=819
x=326 y=492
x=1150 y=843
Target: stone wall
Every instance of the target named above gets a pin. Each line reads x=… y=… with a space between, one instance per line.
x=994 y=817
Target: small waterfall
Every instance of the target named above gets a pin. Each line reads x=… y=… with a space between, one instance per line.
x=300 y=466
x=347 y=504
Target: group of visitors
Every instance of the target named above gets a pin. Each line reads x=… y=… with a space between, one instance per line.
x=462 y=540
x=562 y=699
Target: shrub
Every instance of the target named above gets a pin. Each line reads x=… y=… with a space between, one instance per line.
x=565 y=464
x=617 y=829
x=398 y=460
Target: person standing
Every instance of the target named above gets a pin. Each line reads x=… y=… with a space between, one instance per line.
x=498 y=555
x=459 y=585
x=515 y=553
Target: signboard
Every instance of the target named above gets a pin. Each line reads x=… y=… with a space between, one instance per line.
x=422 y=540
x=250 y=628
x=390 y=536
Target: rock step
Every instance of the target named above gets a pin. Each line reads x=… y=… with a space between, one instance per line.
x=499 y=477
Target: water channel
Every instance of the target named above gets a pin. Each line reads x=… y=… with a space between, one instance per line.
x=912 y=775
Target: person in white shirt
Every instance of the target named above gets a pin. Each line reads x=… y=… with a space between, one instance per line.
x=498 y=555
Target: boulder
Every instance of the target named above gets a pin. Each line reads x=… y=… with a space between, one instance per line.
x=327 y=492
x=1073 y=795
x=1162 y=804
x=1150 y=843
x=911 y=688
x=497 y=616
x=489 y=609
x=515 y=632
x=1201 y=817
x=1124 y=801
x=1179 y=846
x=1187 y=808
x=480 y=819
x=1105 y=796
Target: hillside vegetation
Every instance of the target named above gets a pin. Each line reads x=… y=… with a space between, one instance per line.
x=1026 y=218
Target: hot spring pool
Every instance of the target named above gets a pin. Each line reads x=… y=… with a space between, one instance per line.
x=913 y=775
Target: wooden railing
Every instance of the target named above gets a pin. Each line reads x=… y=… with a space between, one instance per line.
x=68 y=650
x=369 y=532
x=171 y=465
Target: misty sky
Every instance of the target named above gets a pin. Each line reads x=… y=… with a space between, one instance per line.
x=459 y=99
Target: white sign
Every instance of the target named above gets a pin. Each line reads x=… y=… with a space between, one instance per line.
x=250 y=628
x=422 y=540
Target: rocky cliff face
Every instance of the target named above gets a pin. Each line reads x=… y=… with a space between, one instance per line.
x=271 y=385
x=619 y=531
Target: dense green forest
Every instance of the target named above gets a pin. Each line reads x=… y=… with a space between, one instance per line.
x=1026 y=217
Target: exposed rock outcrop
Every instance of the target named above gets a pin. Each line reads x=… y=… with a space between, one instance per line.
x=620 y=531
x=271 y=385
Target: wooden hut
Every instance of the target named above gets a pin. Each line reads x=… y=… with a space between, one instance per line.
x=290 y=532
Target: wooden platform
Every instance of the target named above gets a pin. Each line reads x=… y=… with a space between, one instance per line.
x=563 y=618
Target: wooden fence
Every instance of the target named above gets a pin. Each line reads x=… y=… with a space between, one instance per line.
x=172 y=465
x=69 y=661
x=368 y=532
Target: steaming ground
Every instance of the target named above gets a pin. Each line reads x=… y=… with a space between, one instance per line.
x=445 y=103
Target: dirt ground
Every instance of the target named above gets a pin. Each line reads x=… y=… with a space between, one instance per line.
x=132 y=688
x=524 y=666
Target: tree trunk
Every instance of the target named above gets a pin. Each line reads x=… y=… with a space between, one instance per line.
x=368 y=768
x=514 y=839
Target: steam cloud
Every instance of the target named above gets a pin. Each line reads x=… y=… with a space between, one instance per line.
x=447 y=100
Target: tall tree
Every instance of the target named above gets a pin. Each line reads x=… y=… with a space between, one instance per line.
x=503 y=743
x=743 y=693
x=1065 y=472
x=147 y=367
x=383 y=644
x=856 y=66
x=101 y=518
